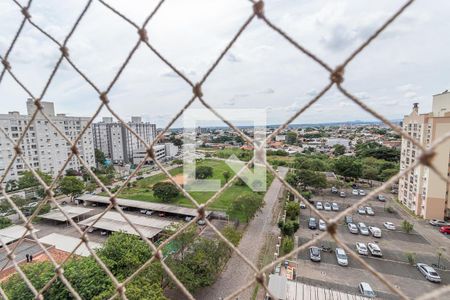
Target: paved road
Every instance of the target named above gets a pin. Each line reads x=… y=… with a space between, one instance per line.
x=236 y=272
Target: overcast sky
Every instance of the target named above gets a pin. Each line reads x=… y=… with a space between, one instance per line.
x=408 y=63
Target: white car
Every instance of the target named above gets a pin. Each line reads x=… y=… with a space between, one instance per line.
x=389 y=225
x=334 y=206
x=374 y=249
x=429 y=273
x=361 y=248
x=353 y=228
x=302 y=205
x=319 y=205
x=327 y=206
x=322 y=225
x=362 y=193
x=375 y=231
x=355 y=192
x=369 y=211
x=366 y=290
x=149 y=212
x=381 y=198
x=341 y=257
x=435 y=222
x=363 y=228
x=143 y=211
x=361 y=211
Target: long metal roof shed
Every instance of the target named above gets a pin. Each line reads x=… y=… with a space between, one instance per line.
x=68 y=243
x=12 y=233
x=71 y=211
x=113 y=221
x=167 y=208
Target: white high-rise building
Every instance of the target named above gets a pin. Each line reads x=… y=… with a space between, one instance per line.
x=421 y=190
x=117 y=142
x=43 y=147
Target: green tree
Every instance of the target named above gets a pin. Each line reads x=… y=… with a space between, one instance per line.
x=232 y=234
x=5 y=222
x=411 y=257
x=407 y=226
x=245 y=206
x=348 y=167
x=90 y=187
x=292 y=210
x=291 y=138
x=72 y=172
x=27 y=180
x=203 y=172
x=287 y=244
x=11 y=185
x=339 y=149
x=226 y=176
x=388 y=173
x=100 y=157
x=373 y=149
x=165 y=191
x=312 y=179
x=71 y=186
x=105 y=179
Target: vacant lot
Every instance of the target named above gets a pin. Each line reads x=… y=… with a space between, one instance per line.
x=143 y=189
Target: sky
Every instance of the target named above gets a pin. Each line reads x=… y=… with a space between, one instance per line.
x=408 y=63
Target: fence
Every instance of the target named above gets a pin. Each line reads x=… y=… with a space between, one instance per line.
x=256 y=14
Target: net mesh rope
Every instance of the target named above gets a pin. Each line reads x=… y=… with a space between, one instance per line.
x=256 y=14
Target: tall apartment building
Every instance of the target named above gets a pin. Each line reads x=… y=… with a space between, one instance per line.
x=422 y=191
x=43 y=147
x=117 y=142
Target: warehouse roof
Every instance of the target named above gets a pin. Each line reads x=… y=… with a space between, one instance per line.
x=68 y=243
x=71 y=211
x=12 y=233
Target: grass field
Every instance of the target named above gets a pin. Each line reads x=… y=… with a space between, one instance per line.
x=143 y=189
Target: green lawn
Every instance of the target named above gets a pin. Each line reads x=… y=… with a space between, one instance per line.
x=143 y=190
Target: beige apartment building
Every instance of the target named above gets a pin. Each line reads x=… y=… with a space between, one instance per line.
x=422 y=191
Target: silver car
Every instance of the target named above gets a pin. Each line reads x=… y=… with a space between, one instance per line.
x=366 y=290
x=334 y=206
x=327 y=206
x=319 y=205
x=374 y=249
x=361 y=211
x=375 y=231
x=352 y=228
x=361 y=248
x=322 y=225
x=363 y=228
x=341 y=257
x=314 y=254
x=429 y=273
x=369 y=211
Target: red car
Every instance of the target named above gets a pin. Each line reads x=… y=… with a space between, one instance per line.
x=445 y=229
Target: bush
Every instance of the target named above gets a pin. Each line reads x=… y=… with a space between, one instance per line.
x=4 y=222
x=288 y=228
x=203 y=172
x=411 y=257
x=232 y=234
x=389 y=210
x=288 y=244
x=165 y=191
x=406 y=226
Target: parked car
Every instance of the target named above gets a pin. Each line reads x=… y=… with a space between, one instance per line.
x=362 y=192
x=366 y=290
x=361 y=248
x=381 y=198
x=341 y=257
x=201 y=222
x=302 y=205
x=352 y=228
x=319 y=205
x=435 y=222
x=342 y=195
x=374 y=249
x=312 y=223
x=429 y=273
x=143 y=211
x=334 y=190
x=355 y=192
x=363 y=228
x=150 y=212
x=445 y=230
x=314 y=254
x=389 y=225
x=139 y=177
x=188 y=219
x=322 y=225
x=334 y=206
x=354 y=186
x=375 y=231
x=278 y=269
x=103 y=233
x=161 y=214
x=361 y=211
x=327 y=206
x=348 y=219
x=369 y=211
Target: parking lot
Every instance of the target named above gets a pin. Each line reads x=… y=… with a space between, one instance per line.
x=394 y=244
